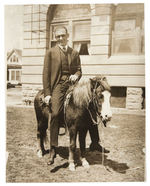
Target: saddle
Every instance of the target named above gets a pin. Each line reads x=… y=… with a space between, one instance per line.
x=48 y=106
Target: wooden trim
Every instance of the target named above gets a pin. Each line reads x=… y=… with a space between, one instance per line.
x=33 y=56
x=31 y=83
x=41 y=20
x=90 y=64
x=28 y=39
x=31 y=74
x=35 y=30
x=112 y=63
x=116 y=75
x=73 y=19
x=101 y=34
x=29 y=64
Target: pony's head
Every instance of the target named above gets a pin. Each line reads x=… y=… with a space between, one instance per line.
x=101 y=98
x=93 y=94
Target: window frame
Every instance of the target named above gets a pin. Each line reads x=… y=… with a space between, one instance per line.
x=137 y=35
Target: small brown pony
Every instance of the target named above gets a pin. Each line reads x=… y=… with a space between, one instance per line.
x=88 y=100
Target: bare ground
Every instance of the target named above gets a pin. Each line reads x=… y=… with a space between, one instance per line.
x=124 y=137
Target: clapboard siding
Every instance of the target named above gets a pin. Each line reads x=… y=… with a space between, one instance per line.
x=100 y=40
x=32 y=61
x=32 y=70
x=35 y=79
x=34 y=52
x=114 y=69
x=123 y=81
x=114 y=60
x=37 y=43
x=119 y=70
x=99 y=49
x=127 y=81
x=100 y=30
x=37 y=34
x=101 y=20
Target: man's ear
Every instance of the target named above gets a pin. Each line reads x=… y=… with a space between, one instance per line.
x=67 y=35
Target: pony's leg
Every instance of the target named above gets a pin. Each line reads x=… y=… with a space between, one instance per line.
x=72 y=147
x=41 y=135
x=82 y=137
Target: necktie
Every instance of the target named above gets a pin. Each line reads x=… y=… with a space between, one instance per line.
x=64 y=49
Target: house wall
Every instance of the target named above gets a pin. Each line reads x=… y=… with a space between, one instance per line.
x=125 y=71
x=14 y=68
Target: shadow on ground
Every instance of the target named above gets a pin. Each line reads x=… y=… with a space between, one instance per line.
x=93 y=158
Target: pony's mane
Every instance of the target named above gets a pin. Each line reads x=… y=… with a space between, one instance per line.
x=82 y=92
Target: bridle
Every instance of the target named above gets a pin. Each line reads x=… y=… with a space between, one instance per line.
x=94 y=102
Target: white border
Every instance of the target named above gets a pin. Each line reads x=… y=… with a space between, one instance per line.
x=3 y=79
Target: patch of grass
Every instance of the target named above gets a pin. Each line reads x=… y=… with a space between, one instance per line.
x=124 y=137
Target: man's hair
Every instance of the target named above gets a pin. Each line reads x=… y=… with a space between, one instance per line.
x=61 y=27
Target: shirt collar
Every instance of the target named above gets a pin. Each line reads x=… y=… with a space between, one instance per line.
x=63 y=47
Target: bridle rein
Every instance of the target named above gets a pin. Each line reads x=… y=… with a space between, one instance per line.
x=94 y=102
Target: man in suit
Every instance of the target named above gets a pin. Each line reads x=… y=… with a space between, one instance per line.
x=62 y=63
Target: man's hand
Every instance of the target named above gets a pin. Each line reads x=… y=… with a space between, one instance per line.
x=47 y=99
x=73 y=78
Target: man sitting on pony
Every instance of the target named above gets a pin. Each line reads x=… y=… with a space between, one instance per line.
x=62 y=63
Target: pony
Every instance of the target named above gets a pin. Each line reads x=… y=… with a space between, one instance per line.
x=87 y=102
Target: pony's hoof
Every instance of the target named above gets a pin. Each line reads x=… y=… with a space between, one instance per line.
x=50 y=162
x=72 y=167
x=85 y=164
x=39 y=153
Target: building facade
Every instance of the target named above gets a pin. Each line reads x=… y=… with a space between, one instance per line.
x=14 y=67
x=109 y=38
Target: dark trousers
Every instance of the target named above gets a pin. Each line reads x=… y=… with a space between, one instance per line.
x=57 y=101
x=93 y=130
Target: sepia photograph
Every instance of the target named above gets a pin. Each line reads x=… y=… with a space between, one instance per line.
x=75 y=92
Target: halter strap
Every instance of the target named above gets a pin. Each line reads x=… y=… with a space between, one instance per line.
x=93 y=100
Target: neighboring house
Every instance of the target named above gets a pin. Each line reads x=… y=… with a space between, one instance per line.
x=14 y=66
x=110 y=39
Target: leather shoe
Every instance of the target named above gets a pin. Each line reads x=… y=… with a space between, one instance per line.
x=98 y=147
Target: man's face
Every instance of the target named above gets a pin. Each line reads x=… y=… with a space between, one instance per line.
x=61 y=36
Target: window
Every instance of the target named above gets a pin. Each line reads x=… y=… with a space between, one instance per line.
x=126 y=38
x=13 y=75
x=14 y=58
x=128 y=30
x=18 y=75
x=81 y=37
x=34 y=23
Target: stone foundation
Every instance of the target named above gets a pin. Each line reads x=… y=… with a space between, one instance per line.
x=134 y=98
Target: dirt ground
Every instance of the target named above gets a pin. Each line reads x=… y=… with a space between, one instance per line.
x=124 y=137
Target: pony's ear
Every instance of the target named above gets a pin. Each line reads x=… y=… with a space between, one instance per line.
x=101 y=79
x=104 y=78
x=93 y=81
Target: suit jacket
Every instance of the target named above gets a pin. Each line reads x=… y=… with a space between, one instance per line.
x=52 y=68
